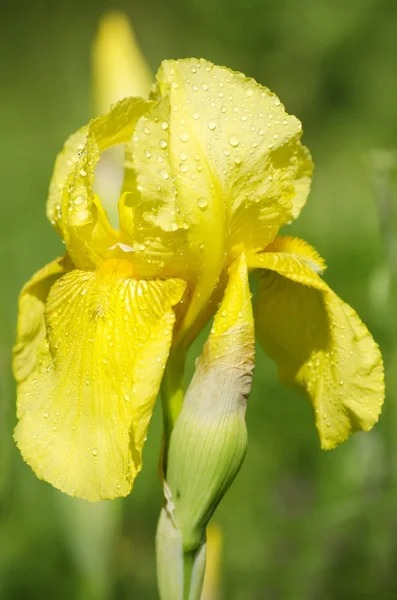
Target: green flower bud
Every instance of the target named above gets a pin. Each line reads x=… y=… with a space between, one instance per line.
x=209 y=441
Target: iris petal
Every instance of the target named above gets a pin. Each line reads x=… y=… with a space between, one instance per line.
x=72 y=206
x=31 y=325
x=219 y=163
x=319 y=343
x=84 y=411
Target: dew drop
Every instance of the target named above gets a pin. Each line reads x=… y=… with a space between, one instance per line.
x=83 y=172
x=202 y=202
x=204 y=86
x=146 y=130
x=184 y=136
x=234 y=141
x=82 y=215
x=164 y=173
x=212 y=125
x=95 y=452
x=164 y=125
x=163 y=144
x=148 y=154
x=79 y=200
x=196 y=116
x=183 y=156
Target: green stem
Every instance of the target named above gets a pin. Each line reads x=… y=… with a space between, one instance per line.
x=188 y=562
x=172 y=392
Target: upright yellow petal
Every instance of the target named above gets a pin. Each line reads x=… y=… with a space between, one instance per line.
x=219 y=161
x=84 y=411
x=72 y=205
x=318 y=341
x=31 y=326
x=118 y=65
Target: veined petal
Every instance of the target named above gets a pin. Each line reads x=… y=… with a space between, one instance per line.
x=319 y=343
x=84 y=411
x=31 y=326
x=218 y=153
x=119 y=68
x=72 y=205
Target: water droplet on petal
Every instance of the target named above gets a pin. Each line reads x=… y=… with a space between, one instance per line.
x=202 y=202
x=79 y=200
x=82 y=215
x=234 y=141
x=184 y=136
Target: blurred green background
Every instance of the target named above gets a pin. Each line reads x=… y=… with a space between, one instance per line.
x=298 y=523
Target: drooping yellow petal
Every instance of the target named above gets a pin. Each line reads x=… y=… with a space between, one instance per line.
x=84 y=412
x=320 y=344
x=217 y=160
x=31 y=326
x=118 y=65
x=72 y=205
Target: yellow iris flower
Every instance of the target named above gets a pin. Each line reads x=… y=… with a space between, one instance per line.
x=214 y=167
